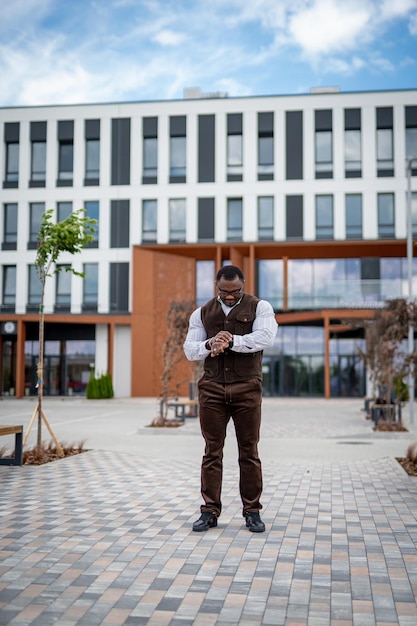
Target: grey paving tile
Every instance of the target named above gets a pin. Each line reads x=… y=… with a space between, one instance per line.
x=101 y=539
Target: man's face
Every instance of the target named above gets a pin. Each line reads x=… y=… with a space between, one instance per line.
x=230 y=291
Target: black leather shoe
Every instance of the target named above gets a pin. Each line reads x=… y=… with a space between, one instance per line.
x=206 y=521
x=254 y=523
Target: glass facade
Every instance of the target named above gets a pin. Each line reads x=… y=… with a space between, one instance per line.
x=67 y=366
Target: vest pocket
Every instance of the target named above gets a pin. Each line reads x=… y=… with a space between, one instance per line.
x=243 y=324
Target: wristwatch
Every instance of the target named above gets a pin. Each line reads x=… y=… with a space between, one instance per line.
x=231 y=344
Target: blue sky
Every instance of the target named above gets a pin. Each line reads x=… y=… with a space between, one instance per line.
x=79 y=51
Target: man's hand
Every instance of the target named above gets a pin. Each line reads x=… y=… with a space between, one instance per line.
x=220 y=342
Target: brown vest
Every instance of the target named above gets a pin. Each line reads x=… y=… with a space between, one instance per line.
x=231 y=367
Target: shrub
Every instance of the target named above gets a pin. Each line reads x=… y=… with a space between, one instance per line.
x=99 y=388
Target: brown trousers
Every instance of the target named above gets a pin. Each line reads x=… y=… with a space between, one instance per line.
x=218 y=403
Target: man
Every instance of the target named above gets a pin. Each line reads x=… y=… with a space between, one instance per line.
x=230 y=332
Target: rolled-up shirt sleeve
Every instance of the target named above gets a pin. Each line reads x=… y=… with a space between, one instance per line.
x=194 y=345
x=264 y=331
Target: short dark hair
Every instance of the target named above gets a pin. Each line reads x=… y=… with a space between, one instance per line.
x=229 y=272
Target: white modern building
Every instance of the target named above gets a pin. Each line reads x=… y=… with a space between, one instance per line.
x=307 y=193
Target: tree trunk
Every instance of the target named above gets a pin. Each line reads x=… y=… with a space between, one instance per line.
x=39 y=371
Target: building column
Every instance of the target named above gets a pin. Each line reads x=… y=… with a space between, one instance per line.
x=326 y=357
x=20 y=359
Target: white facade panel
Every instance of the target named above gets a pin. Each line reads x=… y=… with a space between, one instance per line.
x=102 y=350
x=122 y=359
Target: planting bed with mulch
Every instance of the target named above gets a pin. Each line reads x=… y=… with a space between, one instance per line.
x=47 y=453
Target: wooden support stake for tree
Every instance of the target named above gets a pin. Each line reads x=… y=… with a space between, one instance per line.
x=40 y=412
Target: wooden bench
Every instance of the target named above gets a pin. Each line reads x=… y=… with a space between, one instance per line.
x=181 y=406
x=18 y=448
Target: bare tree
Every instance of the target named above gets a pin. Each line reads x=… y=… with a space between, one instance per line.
x=385 y=353
x=178 y=315
x=71 y=235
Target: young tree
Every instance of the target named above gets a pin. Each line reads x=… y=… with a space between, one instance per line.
x=71 y=235
x=385 y=352
x=172 y=354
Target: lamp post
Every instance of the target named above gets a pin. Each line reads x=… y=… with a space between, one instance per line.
x=410 y=287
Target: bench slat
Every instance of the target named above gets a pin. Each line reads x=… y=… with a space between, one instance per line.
x=10 y=430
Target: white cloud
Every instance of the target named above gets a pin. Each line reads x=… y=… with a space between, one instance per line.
x=329 y=26
x=169 y=38
x=344 y=67
x=412 y=25
x=390 y=9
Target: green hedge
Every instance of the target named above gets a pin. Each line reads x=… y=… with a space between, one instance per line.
x=99 y=388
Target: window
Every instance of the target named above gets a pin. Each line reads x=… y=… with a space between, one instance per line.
x=266 y=218
x=265 y=146
x=119 y=287
x=92 y=152
x=90 y=287
x=271 y=281
x=120 y=151
x=34 y=289
x=353 y=210
x=177 y=165
x=120 y=223
x=177 y=220
x=323 y=144
x=92 y=210
x=9 y=288
x=370 y=279
x=411 y=137
x=150 y=150
x=386 y=216
x=92 y=161
x=65 y=153
x=11 y=140
x=384 y=142
x=234 y=147
x=234 y=219
x=65 y=162
x=204 y=284
x=300 y=283
x=294 y=145
x=353 y=151
x=206 y=219
x=64 y=210
x=38 y=154
x=294 y=217
x=63 y=289
x=10 y=227
x=12 y=162
x=36 y=211
x=324 y=217
x=149 y=221
x=38 y=161
x=206 y=148
x=177 y=149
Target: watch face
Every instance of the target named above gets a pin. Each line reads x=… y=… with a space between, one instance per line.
x=9 y=327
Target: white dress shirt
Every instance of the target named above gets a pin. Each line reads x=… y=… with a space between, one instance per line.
x=264 y=330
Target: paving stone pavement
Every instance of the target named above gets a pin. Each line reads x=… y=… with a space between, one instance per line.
x=105 y=537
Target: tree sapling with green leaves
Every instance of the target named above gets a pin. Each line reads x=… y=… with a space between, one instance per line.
x=71 y=235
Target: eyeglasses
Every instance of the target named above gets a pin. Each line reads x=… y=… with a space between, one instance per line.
x=235 y=293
